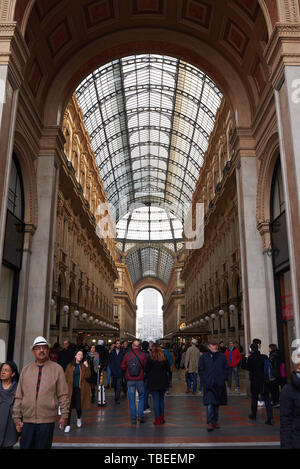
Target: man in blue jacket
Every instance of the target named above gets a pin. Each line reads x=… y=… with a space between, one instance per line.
x=114 y=361
x=213 y=371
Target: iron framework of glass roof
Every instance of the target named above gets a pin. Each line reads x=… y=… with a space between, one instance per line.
x=149 y=118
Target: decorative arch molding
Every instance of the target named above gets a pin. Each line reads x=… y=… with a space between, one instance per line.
x=149 y=283
x=24 y=156
x=19 y=10
x=195 y=51
x=270 y=155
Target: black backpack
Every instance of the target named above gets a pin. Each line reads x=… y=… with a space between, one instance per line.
x=134 y=364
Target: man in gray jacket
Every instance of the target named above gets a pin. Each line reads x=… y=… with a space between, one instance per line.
x=191 y=366
x=41 y=389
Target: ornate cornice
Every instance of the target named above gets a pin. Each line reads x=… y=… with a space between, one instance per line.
x=13 y=51
x=283 y=49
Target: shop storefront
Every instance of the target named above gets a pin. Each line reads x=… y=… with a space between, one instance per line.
x=281 y=266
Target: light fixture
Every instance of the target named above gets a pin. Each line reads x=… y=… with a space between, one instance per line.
x=206 y=318
x=66 y=309
x=213 y=316
x=84 y=315
x=52 y=302
x=231 y=308
x=76 y=313
x=221 y=312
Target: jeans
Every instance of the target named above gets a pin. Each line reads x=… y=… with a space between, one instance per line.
x=146 y=403
x=37 y=436
x=108 y=375
x=132 y=387
x=212 y=413
x=191 y=377
x=158 y=402
x=117 y=383
x=234 y=370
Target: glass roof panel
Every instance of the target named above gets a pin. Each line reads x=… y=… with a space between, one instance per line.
x=149 y=118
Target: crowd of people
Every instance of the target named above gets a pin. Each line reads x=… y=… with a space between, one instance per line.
x=61 y=379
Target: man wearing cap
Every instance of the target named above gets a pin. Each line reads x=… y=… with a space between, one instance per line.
x=213 y=371
x=41 y=389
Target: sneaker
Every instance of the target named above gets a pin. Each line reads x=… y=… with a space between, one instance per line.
x=141 y=419
x=133 y=421
x=216 y=425
x=67 y=429
x=210 y=427
x=79 y=423
x=147 y=411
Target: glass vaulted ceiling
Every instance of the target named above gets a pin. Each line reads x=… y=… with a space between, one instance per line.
x=149 y=118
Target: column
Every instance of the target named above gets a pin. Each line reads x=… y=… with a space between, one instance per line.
x=255 y=292
x=41 y=268
x=283 y=56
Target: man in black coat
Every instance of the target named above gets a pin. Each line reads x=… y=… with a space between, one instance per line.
x=290 y=412
x=255 y=363
x=114 y=361
x=66 y=355
x=213 y=371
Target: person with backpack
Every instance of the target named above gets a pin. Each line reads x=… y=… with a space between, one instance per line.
x=134 y=363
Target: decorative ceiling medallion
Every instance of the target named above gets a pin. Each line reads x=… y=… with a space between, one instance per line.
x=44 y=6
x=98 y=11
x=59 y=37
x=35 y=77
x=197 y=11
x=147 y=7
x=235 y=37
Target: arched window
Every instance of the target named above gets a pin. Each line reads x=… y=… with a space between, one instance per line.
x=12 y=261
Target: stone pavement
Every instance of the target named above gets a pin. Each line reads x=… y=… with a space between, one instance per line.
x=185 y=427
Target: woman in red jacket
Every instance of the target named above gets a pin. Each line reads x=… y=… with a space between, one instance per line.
x=234 y=358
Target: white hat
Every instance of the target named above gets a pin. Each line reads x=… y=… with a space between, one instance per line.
x=100 y=342
x=39 y=341
x=194 y=341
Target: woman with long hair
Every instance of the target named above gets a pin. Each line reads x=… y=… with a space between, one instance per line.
x=77 y=373
x=9 y=377
x=93 y=360
x=157 y=370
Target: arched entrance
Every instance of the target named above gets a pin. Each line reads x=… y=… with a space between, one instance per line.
x=149 y=314
x=233 y=56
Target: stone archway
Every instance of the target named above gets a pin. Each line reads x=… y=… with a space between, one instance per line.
x=233 y=58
